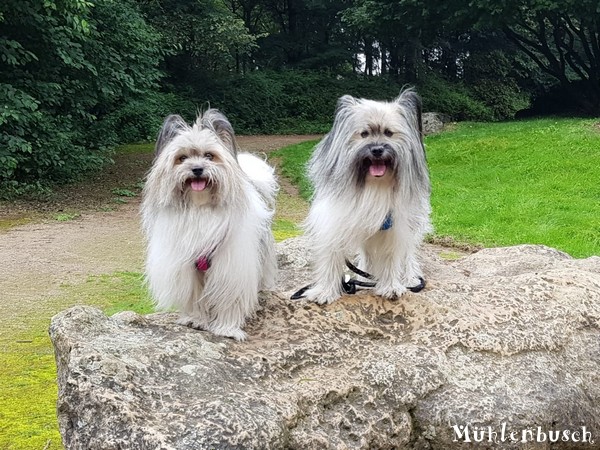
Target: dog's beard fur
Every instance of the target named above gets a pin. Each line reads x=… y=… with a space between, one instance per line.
x=372 y=163
x=203 y=199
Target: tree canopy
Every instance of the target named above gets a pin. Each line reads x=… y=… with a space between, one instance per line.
x=79 y=76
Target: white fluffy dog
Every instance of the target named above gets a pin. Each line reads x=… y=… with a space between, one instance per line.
x=207 y=213
x=371 y=196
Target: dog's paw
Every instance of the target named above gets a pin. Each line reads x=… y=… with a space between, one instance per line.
x=193 y=322
x=200 y=324
x=321 y=296
x=236 y=333
x=390 y=291
x=413 y=281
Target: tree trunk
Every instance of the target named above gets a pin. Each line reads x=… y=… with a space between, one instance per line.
x=413 y=60
x=383 y=59
x=368 y=47
x=394 y=61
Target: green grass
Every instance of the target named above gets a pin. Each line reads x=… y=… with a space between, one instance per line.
x=497 y=184
x=534 y=182
x=28 y=390
x=28 y=393
x=120 y=291
x=135 y=148
x=65 y=217
x=122 y=192
x=293 y=161
x=285 y=229
x=11 y=222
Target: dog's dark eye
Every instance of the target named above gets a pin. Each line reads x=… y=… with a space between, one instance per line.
x=364 y=134
x=182 y=158
x=388 y=133
x=209 y=156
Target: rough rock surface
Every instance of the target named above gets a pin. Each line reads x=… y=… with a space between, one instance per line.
x=503 y=336
x=433 y=122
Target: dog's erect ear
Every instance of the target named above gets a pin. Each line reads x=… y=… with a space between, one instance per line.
x=171 y=127
x=411 y=102
x=345 y=101
x=325 y=155
x=216 y=121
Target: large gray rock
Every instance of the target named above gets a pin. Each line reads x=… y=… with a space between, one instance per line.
x=506 y=337
x=433 y=122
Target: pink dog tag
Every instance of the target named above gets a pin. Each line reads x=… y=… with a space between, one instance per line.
x=202 y=264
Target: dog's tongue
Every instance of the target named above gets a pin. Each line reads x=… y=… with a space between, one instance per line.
x=377 y=169
x=198 y=185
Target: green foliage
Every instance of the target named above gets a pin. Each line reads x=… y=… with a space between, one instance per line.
x=493 y=71
x=304 y=102
x=66 y=65
x=560 y=37
x=453 y=99
x=290 y=101
x=507 y=183
x=79 y=77
x=139 y=119
x=122 y=192
x=203 y=36
x=503 y=99
x=65 y=217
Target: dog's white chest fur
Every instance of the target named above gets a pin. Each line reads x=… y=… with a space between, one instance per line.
x=186 y=235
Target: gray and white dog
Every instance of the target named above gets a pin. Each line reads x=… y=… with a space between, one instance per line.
x=371 y=196
x=207 y=212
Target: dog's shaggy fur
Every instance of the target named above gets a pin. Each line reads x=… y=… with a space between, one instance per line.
x=207 y=212
x=370 y=168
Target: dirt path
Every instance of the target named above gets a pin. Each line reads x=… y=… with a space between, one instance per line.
x=37 y=258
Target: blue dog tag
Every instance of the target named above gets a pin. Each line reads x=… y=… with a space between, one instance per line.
x=387 y=223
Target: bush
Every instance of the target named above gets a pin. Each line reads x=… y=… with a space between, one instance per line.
x=67 y=66
x=304 y=102
x=504 y=99
x=572 y=100
x=38 y=148
x=453 y=99
x=288 y=101
x=138 y=120
x=491 y=76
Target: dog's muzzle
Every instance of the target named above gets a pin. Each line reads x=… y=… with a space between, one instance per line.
x=198 y=183
x=375 y=160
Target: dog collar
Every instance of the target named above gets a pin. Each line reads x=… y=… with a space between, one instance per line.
x=387 y=223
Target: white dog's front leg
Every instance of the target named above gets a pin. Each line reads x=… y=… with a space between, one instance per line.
x=386 y=255
x=390 y=283
x=328 y=271
x=400 y=269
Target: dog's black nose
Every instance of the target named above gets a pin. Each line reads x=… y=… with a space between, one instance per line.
x=197 y=171
x=377 y=151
